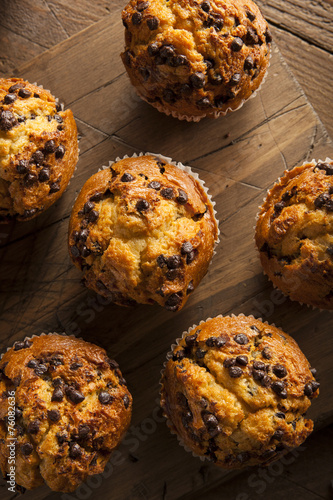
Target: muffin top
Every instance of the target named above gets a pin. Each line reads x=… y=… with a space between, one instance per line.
x=38 y=149
x=294 y=234
x=236 y=390
x=71 y=409
x=192 y=58
x=143 y=231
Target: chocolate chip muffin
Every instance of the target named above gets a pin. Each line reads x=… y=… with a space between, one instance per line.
x=194 y=58
x=294 y=234
x=72 y=408
x=38 y=149
x=143 y=231
x=236 y=391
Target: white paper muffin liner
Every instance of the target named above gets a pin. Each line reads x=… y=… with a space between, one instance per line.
x=169 y=356
x=197 y=118
x=313 y=162
x=186 y=169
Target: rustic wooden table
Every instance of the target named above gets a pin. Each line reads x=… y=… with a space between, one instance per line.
x=56 y=44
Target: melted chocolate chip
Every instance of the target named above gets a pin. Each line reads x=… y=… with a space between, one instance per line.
x=27 y=449
x=182 y=197
x=53 y=415
x=142 y=205
x=50 y=146
x=74 y=396
x=280 y=371
x=7 y=120
x=126 y=177
x=105 y=398
x=153 y=23
x=60 y=151
x=10 y=98
x=236 y=44
x=235 y=371
x=197 y=80
x=173 y=302
x=75 y=450
x=241 y=339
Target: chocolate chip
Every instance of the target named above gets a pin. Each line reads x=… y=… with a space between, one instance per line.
x=250 y=15
x=136 y=18
x=315 y=385
x=228 y=362
x=215 y=342
x=38 y=157
x=75 y=450
x=75 y=366
x=313 y=371
x=74 y=396
x=10 y=98
x=200 y=353
x=161 y=261
x=29 y=213
x=53 y=415
x=172 y=274
x=24 y=93
x=154 y=185
x=33 y=427
x=191 y=340
x=93 y=216
x=235 y=371
x=85 y=251
x=96 y=197
x=178 y=355
x=179 y=60
x=258 y=375
x=322 y=200
x=235 y=79
x=113 y=364
x=173 y=302
x=278 y=434
x=126 y=400
x=186 y=248
x=242 y=360
x=248 y=63
x=236 y=44
x=27 y=449
x=328 y=167
x=18 y=346
x=54 y=187
x=153 y=49
x=153 y=23
x=182 y=197
x=57 y=382
x=173 y=262
x=280 y=414
x=266 y=381
x=142 y=6
x=251 y=37
x=197 y=80
x=211 y=423
x=205 y=6
x=105 y=398
x=126 y=177
x=279 y=388
x=60 y=151
x=83 y=235
x=204 y=102
x=266 y=353
x=268 y=36
x=7 y=120
x=258 y=365
x=18 y=412
x=50 y=146
x=88 y=206
x=280 y=371
x=310 y=388
x=40 y=369
x=142 y=205
x=190 y=287
x=22 y=167
x=75 y=251
x=241 y=339
x=44 y=175
x=83 y=431
x=32 y=363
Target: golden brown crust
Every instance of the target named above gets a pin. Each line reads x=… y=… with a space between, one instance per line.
x=143 y=231
x=195 y=58
x=294 y=234
x=38 y=149
x=72 y=409
x=236 y=390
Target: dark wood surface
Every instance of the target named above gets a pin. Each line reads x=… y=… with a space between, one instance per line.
x=238 y=157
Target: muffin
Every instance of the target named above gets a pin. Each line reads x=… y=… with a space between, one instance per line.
x=294 y=234
x=235 y=390
x=38 y=149
x=72 y=408
x=143 y=231
x=194 y=59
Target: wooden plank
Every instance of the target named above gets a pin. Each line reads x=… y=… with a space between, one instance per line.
x=238 y=157
x=15 y=50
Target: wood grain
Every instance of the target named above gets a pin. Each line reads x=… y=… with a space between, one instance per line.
x=238 y=157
